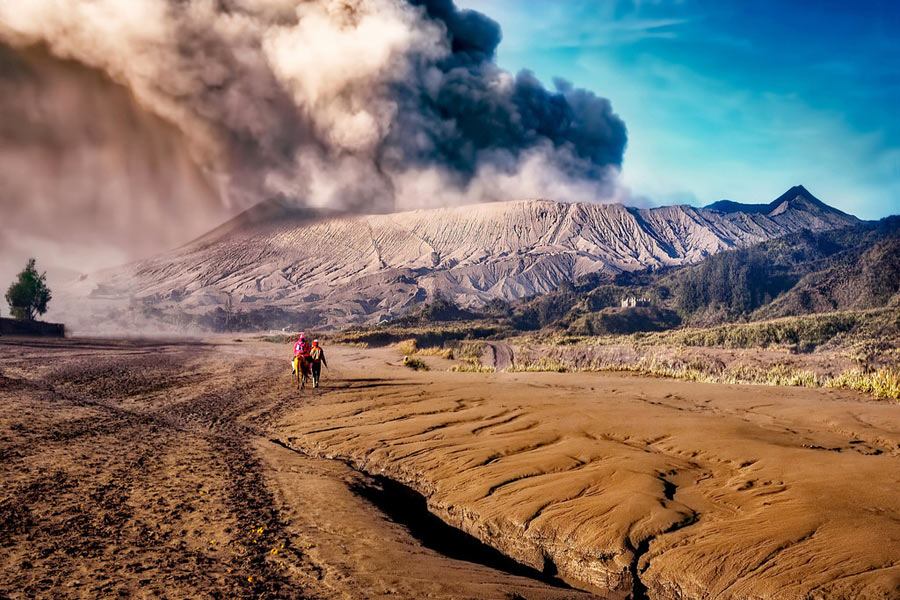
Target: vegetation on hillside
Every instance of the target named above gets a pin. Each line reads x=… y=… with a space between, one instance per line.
x=803 y=273
x=728 y=300
x=805 y=333
x=436 y=334
x=835 y=292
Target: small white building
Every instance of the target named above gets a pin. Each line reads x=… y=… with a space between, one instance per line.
x=632 y=302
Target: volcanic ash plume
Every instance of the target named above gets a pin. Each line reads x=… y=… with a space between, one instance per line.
x=370 y=105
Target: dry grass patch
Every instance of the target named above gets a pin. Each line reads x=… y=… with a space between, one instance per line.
x=407 y=347
x=472 y=368
x=881 y=383
x=472 y=365
x=542 y=365
x=437 y=351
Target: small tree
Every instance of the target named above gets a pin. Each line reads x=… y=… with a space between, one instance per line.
x=29 y=295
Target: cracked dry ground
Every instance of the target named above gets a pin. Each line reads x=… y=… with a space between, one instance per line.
x=139 y=470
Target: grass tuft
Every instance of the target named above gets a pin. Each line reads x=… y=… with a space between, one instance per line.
x=414 y=363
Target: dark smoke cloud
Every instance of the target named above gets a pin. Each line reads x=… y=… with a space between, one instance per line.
x=371 y=105
x=490 y=120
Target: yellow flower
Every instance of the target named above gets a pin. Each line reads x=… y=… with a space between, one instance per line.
x=274 y=550
x=250 y=579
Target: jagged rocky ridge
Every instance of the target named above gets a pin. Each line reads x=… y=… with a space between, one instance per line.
x=345 y=269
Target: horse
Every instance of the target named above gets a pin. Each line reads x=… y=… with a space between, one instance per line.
x=302 y=370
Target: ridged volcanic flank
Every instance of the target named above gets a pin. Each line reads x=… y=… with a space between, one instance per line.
x=356 y=268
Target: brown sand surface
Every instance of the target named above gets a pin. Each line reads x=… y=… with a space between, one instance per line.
x=139 y=469
x=639 y=486
x=147 y=470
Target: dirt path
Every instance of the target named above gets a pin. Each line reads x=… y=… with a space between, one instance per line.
x=146 y=470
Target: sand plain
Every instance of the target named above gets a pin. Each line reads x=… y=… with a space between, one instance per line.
x=179 y=469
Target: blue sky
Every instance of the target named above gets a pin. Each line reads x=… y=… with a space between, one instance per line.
x=737 y=100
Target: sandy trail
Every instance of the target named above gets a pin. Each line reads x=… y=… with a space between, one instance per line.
x=135 y=469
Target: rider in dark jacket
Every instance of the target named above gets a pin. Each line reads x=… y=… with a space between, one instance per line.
x=317 y=358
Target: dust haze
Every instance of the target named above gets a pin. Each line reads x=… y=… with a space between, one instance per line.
x=128 y=128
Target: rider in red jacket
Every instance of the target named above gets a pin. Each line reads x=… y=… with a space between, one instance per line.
x=301 y=348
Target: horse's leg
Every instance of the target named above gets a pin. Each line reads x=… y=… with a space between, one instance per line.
x=304 y=368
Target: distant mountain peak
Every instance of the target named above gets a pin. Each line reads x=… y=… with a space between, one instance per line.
x=798 y=194
x=797 y=198
x=799 y=190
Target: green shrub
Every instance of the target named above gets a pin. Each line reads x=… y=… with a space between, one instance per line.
x=414 y=363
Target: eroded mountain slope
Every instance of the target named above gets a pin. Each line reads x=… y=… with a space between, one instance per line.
x=366 y=268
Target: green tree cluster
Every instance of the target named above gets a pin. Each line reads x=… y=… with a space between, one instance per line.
x=29 y=295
